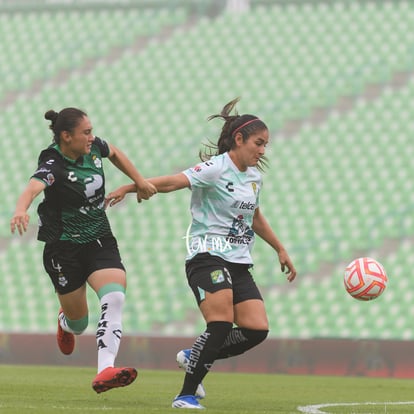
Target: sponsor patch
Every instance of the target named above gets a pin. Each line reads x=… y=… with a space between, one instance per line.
x=50 y=179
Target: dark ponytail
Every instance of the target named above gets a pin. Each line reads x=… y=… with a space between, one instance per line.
x=245 y=124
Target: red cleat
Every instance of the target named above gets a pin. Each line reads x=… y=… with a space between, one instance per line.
x=113 y=378
x=65 y=340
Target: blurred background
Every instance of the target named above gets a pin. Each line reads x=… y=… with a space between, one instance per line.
x=333 y=81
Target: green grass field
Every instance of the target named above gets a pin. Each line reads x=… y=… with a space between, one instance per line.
x=51 y=389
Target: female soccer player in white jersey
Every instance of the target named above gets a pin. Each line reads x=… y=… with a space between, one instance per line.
x=225 y=218
x=80 y=248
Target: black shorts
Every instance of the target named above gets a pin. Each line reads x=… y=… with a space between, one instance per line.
x=209 y=273
x=70 y=264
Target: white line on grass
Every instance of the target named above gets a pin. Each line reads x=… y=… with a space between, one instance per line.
x=315 y=409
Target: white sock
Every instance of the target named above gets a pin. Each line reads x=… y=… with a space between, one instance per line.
x=63 y=323
x=109 y=331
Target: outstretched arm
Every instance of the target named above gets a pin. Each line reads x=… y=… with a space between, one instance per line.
x=262 y=228
x=143 y=188
x=20 y=219
x=168 y=183
x=163 y=184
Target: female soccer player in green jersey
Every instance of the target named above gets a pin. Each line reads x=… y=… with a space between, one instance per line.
x=79 y=246
x=225 y=219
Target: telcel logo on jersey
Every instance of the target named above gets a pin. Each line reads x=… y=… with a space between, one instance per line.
x=243 y=205
x=205 y=244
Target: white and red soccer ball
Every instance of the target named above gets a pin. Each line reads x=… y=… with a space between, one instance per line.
x=365 y=278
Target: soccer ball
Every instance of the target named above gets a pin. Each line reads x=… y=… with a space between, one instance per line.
x=365 y=278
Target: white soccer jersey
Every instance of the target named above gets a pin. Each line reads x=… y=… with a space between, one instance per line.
x=223 y=203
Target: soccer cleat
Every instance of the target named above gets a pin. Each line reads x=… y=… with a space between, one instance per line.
x=65 y=340
x=183 y=358
x=113 y=378
x=186 y=401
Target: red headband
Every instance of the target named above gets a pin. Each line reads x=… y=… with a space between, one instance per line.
x=245 y=124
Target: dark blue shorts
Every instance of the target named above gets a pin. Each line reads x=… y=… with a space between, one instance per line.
x=208 y=273
x=70 y=264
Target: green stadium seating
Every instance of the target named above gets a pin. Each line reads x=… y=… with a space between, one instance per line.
x=335 y=189
x=55 y=41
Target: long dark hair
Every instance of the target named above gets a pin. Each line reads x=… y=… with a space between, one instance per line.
x=65 y=120
x=245 y=124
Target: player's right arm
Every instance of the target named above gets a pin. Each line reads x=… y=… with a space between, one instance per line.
x=20 y=219
x=168 y=183
x=163 y=184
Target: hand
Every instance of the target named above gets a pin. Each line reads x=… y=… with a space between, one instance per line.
x=115 y=197
x=145 y=190
x=286 y=265
x=19 y=221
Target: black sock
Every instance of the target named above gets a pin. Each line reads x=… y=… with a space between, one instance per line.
x=203 y=354
x=239 y=340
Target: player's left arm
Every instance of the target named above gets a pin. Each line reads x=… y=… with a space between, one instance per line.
x=144 y=188
x=262 y=228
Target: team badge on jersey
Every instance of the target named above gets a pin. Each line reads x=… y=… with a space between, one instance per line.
x=97 y=161
x=254 y=187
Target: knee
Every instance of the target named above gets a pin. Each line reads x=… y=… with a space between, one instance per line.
x=255 y=336
x=263 y=334
x=78 y=326
x=112 y=294
x=113 y=300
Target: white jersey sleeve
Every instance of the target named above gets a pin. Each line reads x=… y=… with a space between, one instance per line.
x=203 y=174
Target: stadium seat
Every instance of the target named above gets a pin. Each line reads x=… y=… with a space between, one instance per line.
x=335 y=188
